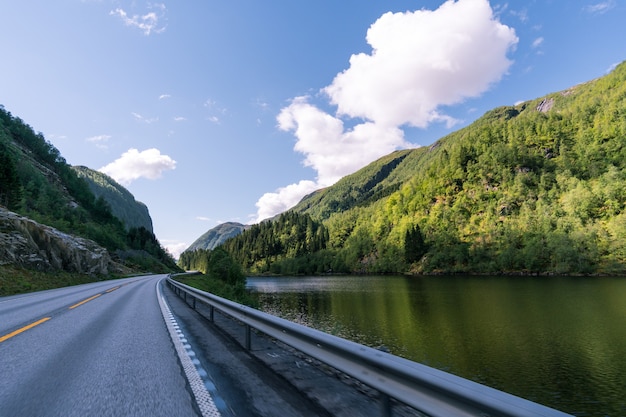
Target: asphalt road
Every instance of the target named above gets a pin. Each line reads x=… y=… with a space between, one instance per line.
x=100 y=349
x=131 y=347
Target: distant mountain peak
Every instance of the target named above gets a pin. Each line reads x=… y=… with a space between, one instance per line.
x=217 y=235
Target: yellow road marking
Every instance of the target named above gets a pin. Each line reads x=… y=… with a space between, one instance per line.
x=85 y=301
x=113 y=289
x=23 y=329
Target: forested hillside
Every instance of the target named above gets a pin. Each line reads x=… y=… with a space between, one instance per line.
x=36 y=182
x=535 y=188
x=277 y=246
x=131 y=212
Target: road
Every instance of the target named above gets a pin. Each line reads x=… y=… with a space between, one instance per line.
x=98 y=349
x=126 y=348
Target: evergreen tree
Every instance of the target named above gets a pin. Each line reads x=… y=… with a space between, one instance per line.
x=10 y=186
x=414 y=246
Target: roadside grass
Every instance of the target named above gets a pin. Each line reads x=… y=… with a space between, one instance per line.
x=236 y=293
x=15 y=280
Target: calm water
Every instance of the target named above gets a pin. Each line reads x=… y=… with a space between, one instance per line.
x=557 y=341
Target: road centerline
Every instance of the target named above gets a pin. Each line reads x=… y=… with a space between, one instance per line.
x=23 y=329
x=52 y=314
x=84 y=301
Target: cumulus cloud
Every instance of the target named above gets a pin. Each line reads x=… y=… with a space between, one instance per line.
x=284 y=198
x=133 y=165
x=420 y=61
x=330 y=149
x=147 y=23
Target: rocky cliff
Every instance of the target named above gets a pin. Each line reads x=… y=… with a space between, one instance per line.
x=29 y=244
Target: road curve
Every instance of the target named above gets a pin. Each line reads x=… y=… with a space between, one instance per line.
x=99 y=349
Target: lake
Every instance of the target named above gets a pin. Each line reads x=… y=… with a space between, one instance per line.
x=560 y=341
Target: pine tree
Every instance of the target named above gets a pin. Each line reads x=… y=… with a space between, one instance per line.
x=414 y=246
x=10 y=186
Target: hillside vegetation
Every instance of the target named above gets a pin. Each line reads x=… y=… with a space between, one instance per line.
x=131 y=212
x=269 y=246
x=536 y=188
x=36 y=182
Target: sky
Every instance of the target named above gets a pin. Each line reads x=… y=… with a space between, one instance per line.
x=232 y=110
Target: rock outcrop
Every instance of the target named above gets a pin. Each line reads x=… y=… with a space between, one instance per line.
x=29 y=244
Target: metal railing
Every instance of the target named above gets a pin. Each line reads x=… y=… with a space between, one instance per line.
x=428 y=390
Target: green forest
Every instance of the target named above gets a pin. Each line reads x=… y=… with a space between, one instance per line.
x=37 y=182
x=535 y=188
x=291 y=244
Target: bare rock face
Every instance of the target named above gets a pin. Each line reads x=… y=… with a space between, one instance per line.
x=27 y=243
x=545 y=105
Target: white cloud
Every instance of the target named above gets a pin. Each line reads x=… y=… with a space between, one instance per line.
x=612 y=67
x=143 y=119
x=330 y=149
x=522 y=15
x=175 y=247
x=133 y=165
x=420 y=61
x=600 y=8
x=164 y=96
x=99 y=140
x=147 y=23
x=284 y=198
x=537 y=42
x=215 y=110
x=179 y=119
x=203 y=219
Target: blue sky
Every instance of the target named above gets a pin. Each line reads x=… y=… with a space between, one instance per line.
x=212 y=111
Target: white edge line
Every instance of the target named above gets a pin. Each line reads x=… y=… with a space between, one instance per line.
x=203 y=397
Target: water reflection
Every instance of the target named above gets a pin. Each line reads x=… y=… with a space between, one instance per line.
x=557 y=341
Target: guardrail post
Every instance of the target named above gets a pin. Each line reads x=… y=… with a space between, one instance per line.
x=194 y=303
x=248 y=339
x=211 y=311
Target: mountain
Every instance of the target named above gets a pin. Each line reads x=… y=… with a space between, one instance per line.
x=535 y=188
x=50 y=208
x=123 y=204
x=216 y=236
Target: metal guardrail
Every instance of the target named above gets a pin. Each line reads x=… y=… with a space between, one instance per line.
x=428 y=390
